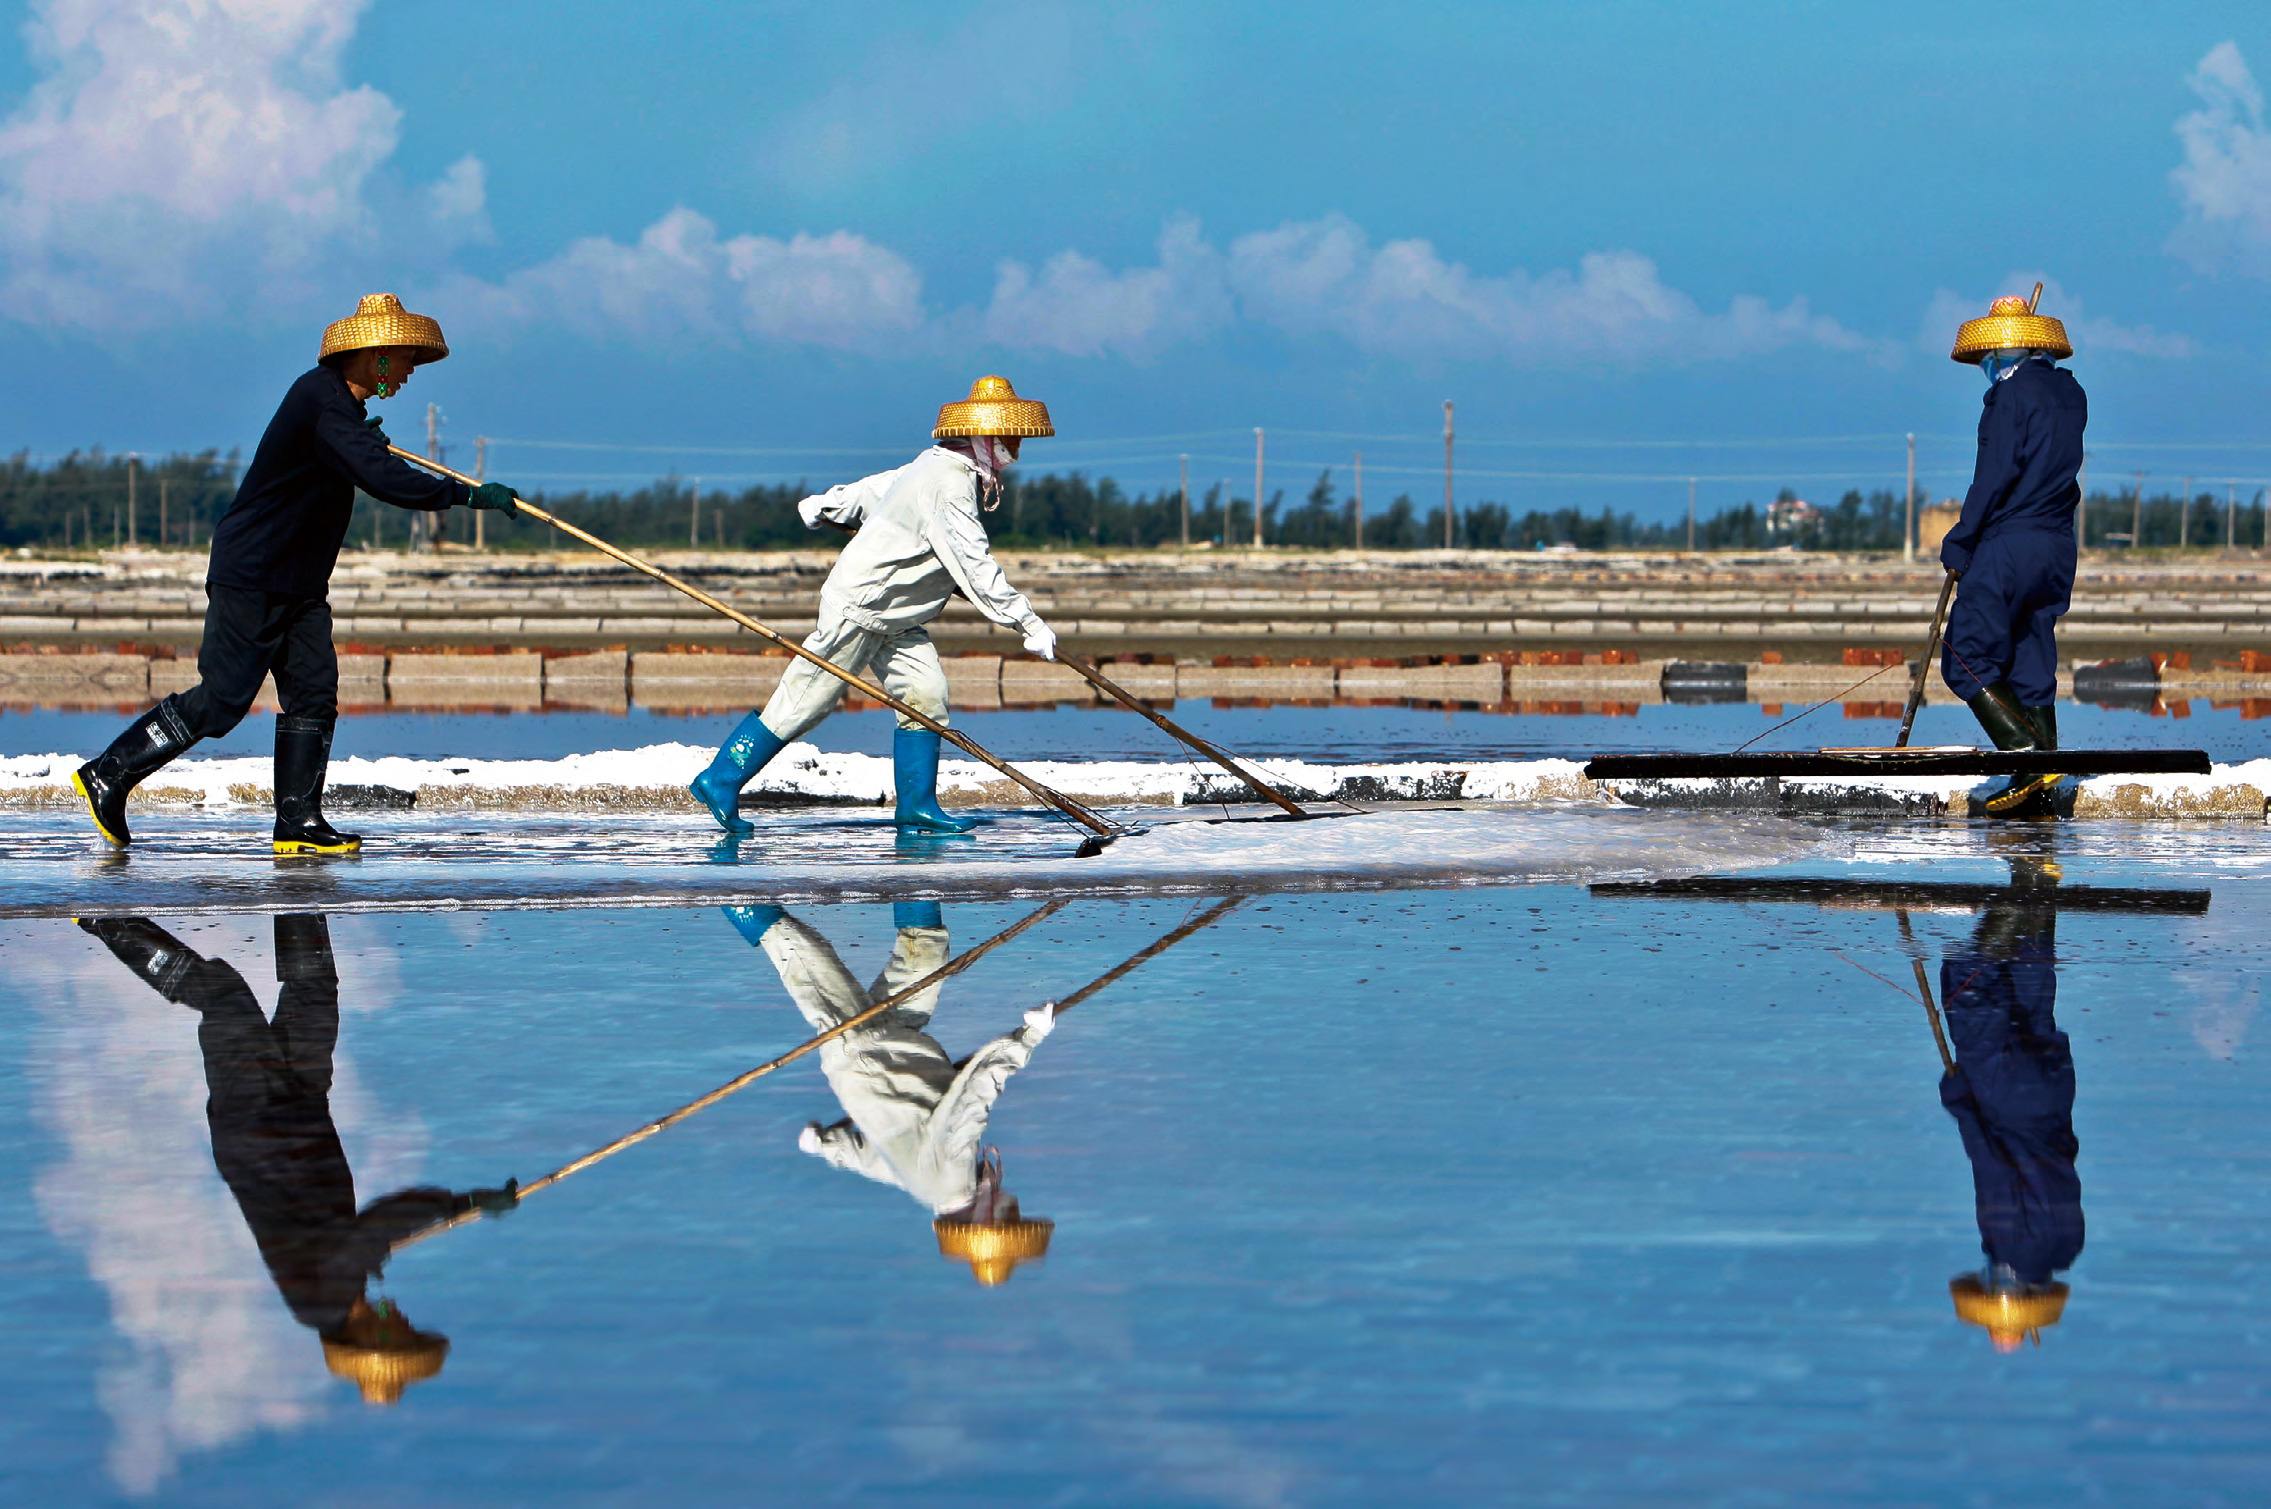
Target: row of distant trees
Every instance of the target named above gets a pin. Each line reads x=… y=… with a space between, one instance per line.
x=94 y=500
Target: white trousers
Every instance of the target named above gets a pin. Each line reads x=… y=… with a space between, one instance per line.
x=906 y=662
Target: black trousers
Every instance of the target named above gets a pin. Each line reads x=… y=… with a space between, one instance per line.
x=249 y=634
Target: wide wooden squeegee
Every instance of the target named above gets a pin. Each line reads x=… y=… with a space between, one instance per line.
x=1929 y=760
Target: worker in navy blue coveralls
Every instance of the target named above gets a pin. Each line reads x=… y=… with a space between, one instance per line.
x=269 y=575
x=268 y=1087
x=2014 y=546
x=2011 y=1092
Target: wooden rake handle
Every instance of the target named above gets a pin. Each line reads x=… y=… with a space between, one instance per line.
x=1115 y=691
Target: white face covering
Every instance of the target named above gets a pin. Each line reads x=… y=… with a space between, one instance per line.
x=991 y=454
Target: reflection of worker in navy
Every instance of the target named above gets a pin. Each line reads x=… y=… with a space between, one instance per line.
x=914 y=1119
x=2011 y=1093
x=2014 y=545
x=268 y=1085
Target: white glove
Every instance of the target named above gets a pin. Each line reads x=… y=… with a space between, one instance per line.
x=1041 y=1021
x=808 y=1140
x=809 y=511
x=1040 y=639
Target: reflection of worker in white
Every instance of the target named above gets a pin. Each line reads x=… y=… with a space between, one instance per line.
x=914 y=1119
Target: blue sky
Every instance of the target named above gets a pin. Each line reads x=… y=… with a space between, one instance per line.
x=1632 y=241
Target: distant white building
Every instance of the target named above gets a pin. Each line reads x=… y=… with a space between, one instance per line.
x=1791 y=516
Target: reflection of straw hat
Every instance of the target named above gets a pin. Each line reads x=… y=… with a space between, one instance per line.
x=2010 y=324
x=993 y=1249
x=993 y=408
x=380 y=320
x=382 y=1354
x=2009 y=1317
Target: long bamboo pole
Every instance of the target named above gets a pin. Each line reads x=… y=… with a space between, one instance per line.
x=1213 y=914
x=1924 y=666
x=743 y=1081
x=860 y=684
x=1114 y=690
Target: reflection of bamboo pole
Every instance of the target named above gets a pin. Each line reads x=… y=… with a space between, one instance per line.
x=1923 y=984
x=1213 y=915
x=860 y=684
x=742 y=1082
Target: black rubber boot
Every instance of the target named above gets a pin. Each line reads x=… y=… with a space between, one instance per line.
x=2045 y=721
x=1998 y=711
x=303 y=753
x=161 y=959
x=148 y=745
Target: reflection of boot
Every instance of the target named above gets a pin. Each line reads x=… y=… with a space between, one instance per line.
x=148 y=744
x=753 y=922
x=303 y=948
x=914 y=770
x=162 y=960
x=2030 y=796
x=745 y=752
x=303 y=755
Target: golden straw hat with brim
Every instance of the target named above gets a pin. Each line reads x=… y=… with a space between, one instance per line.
x=2008 y=1318
x=383 y=1372
x=993 y=1249
x=993 y=408
x=380 y=320
x=2011 y=324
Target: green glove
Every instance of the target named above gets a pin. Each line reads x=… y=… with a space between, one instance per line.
x=496 y=1202
x=374 y=422
x=494 y=496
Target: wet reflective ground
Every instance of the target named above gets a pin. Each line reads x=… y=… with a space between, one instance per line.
x=1556 y=1193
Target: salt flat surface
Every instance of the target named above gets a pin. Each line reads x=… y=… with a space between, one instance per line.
x=220 y=861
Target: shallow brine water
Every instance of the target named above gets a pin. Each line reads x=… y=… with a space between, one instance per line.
x=1645 y=1189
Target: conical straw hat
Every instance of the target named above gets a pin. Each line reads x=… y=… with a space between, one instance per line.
x=2010 y=323
x=993 y=408
x=2007 y=1318
x=383 y=1372
x=993 y=1249
x=380 y=320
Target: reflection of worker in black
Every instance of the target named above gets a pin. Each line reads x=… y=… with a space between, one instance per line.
x=2011 y=1092
x=268 y=1085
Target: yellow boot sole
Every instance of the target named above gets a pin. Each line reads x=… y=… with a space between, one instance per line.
x=2021 y=793
x=88 y=797
x=302 y=846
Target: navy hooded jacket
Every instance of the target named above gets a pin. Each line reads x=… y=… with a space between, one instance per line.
x=2030 y=454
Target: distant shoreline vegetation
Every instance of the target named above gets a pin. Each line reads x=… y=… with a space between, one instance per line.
x=96 y=500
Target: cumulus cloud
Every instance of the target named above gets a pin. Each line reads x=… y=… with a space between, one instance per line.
x=2224 y=182
x=2090 y=333
x=174 y=144
x=1404 y=298
x=1078 y=306
x=681 y=280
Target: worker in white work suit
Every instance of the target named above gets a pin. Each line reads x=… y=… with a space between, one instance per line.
x=917 y=539
x=914 y=1119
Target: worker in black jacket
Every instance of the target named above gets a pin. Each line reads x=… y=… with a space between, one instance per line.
x=270 y=570
x=2014 y=545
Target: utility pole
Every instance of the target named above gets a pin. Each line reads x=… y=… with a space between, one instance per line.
x=2184 y=516
x=1691 y=516
x=1448 y=526
x=1257 y=487
x=1183 y=466
x=2082 y=502
x=132 y=460
x=2231 y=514
x=161 y=510
x=694 y=516
x=2137 y=514
x=1356 y=505
x=423 y=524
x=1908 y=518
x=480 y=474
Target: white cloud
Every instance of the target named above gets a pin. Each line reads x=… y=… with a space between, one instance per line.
x=1325 y=277
x=2224 y=181
x=680 y=280
x=1078 y=306
x=174 y=144
x=2090 y=334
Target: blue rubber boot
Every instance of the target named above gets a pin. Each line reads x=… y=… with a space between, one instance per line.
x=736 y=765
x=906 y=914
x=752 y=921
x=914 y=774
